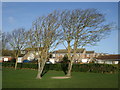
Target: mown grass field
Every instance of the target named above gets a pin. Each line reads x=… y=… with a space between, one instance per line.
x=25 y=78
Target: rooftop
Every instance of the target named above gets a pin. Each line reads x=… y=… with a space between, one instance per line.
x=32 y=49
x=65 y=51
x=90 y=51
x=109 y=57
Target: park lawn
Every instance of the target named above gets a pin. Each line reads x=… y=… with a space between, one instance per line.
x=25 y=78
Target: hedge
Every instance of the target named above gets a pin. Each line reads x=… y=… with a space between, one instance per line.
x=96 y=68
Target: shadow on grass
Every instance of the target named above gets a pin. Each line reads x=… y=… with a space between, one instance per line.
x=64 y=64
x=45 y=70
x=64 y=67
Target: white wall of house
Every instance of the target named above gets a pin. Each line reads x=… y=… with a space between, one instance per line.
x=30 y=57
x=116 y=62
x=53 y=55
x=100 y=61
x=106 y=62
x=52 y=60
x=5 y=59
x=111 y=62
x=19 y=60
x=84 y=60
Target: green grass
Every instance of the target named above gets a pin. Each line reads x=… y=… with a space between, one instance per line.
x=24 y=78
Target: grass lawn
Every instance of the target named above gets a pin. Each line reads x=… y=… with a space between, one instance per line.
x=24 y=78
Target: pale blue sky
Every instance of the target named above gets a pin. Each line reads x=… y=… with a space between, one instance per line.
x=16 y=15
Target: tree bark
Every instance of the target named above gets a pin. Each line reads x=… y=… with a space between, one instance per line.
x=71 y=61
x=69 y=51
x=39 y=69
x=69 y=69
x=43 y=62
x=42 y=67
x=69 y=57
x=16 y=62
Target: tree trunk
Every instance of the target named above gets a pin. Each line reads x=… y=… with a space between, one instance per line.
x=69 y=51
x=69 y=69
x=39 y=71
x=70 y=63
x=40 y=68
x=43 y=63
x=16 y=62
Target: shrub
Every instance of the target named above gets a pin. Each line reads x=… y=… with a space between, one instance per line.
x=96 y=68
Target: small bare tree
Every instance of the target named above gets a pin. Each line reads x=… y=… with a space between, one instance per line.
x=81 y=28
x=4 y=41
x=0 y=42
x=16 y=40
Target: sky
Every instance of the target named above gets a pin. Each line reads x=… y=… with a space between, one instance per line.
x=22 y=14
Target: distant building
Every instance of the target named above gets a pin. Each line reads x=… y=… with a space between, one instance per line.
x=108 y=59
x=6 y=58
x=30 y=54
x=82 y=55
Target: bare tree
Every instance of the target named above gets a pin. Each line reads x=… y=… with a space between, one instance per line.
x=46 y=36
x=4 y=41
x=16 y=40
x=81 y=28
x=0 y=42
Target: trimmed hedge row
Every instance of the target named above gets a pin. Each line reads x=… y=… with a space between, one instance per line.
x=20 y=65
x=96 y=68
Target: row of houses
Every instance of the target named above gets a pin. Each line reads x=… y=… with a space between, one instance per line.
x=82 y=56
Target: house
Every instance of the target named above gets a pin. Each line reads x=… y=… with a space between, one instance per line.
x=6 y=58
x=8 y=55
x=59 y=54
x=108 y=59
x=9 y=58
x=82 y=55
x=52 y=60
x=19 y=60
x=31 y=54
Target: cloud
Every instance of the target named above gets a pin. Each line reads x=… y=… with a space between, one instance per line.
x=11 y=20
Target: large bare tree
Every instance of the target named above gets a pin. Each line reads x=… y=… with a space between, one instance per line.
x=16 y=40
x=81 y=28
x=46 y=36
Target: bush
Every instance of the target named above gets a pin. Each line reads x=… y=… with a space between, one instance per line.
x=96 y=68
